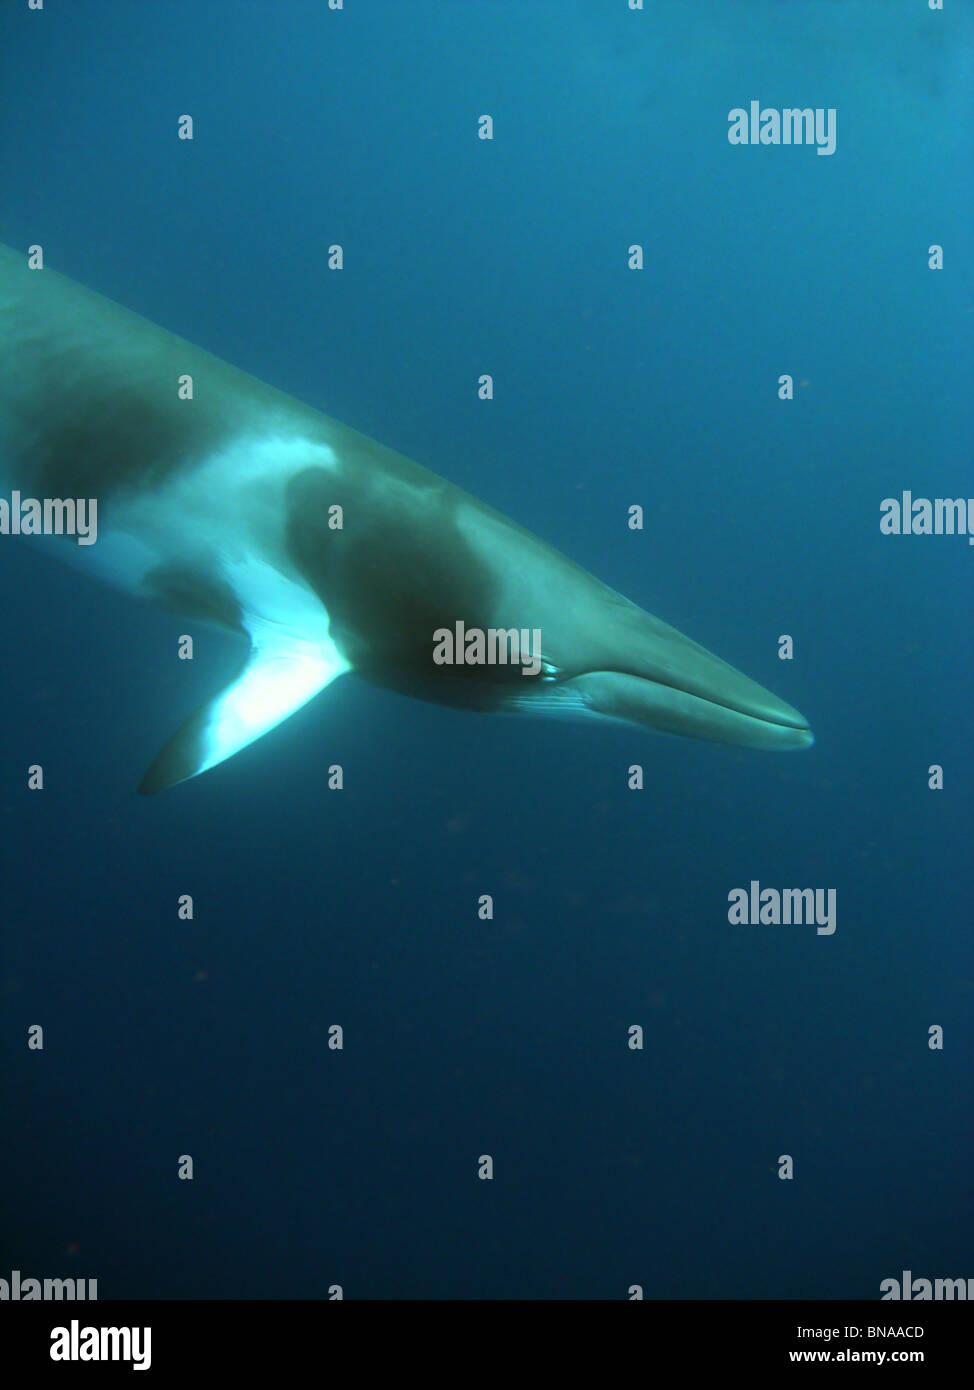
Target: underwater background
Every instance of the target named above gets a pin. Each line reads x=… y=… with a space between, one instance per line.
x=613 y=1167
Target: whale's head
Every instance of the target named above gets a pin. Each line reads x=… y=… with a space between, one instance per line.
x=687 y=691
x=428 y=590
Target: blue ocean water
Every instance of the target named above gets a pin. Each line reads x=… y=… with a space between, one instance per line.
x=613 y=1167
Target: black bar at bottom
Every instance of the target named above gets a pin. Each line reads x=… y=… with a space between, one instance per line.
x=455 y=1338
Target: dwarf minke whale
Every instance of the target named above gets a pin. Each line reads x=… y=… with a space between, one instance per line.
x=328 y=551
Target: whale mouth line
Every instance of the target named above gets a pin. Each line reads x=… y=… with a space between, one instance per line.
x=779 y=720
x=800 y=724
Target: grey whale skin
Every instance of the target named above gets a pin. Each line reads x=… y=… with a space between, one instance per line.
x=220 y=506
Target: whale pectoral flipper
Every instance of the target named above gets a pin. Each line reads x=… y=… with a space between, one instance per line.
x=282 y=673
